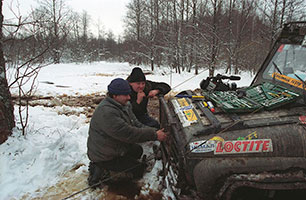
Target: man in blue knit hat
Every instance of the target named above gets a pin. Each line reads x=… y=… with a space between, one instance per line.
x=113 y=136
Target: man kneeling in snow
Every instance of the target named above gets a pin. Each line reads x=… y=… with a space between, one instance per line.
x=113 y=134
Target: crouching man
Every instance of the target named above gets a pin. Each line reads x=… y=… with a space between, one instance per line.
x=113 y=136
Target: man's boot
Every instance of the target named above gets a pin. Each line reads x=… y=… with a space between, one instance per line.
x=95 y=174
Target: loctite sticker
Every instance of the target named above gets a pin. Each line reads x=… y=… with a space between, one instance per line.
x=244 y=146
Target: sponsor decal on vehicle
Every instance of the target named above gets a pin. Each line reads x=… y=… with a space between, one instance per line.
x=280 y=49
x=187 y=109
x=202 y=146
x=217 y=139
x=244 y=146
x=249 y=137
x=302 y=119
x=288 y=80
x=185 y=112
x=183 y=102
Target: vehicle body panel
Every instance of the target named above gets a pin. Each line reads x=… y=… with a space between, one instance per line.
x=216 y=153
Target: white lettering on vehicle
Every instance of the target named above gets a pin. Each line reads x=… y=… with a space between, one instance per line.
x=244 y=146
x=202 y=146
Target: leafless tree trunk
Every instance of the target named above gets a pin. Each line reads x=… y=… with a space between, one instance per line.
x=214 y=45
x=152 y=32
x=136 y=26
x=177 y=30
x=56 y=24
x=194 y=53
x=6 y=106
x=231 y=7
x=243 y=32
x=85 y=24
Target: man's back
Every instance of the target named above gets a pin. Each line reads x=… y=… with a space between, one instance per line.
x=112 y=128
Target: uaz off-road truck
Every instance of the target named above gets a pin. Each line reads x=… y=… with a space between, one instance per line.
x=243 y=143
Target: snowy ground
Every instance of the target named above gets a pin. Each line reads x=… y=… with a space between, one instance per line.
x=51 y=162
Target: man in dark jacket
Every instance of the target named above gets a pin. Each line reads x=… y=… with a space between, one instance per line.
x=142 y=90
x=113 y=133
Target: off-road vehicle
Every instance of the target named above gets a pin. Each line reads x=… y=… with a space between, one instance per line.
x=227 y=142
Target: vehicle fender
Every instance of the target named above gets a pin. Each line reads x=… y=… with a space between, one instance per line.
x=209 y=174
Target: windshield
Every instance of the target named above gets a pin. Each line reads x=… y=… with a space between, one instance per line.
x=288 y=65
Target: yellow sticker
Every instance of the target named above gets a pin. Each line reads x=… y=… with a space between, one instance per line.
x=217 y=138
x=190 y=115
x=183 y=102
x=251 y=136
x=288 y=80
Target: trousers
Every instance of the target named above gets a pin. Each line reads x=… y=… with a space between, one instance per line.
x=149 y=121
x=128 y=163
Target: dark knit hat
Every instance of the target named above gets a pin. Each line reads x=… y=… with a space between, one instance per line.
x=119 y=86
x=136 y=75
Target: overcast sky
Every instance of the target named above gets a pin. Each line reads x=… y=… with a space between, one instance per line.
x=110 y=13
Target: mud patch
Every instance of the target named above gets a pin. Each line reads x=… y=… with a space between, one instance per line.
x=74 y=181
x=103 y=74
x=87 y=102
x=70 y=183
x=127 y=189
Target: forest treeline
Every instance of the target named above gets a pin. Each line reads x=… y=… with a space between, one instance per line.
x=183 y=34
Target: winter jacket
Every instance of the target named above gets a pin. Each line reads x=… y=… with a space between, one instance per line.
x=113 y=128
x=141 y=109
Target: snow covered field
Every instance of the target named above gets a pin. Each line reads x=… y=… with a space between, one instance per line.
x=51 y=161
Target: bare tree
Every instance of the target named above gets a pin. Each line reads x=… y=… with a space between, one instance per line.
x=206 y=33
x=25 y=49
x=56 y=24
x=85 y=24
x=193 y=52
x=228 y=45
x=214 y=29
x=6 y=106
x=241 y=14
x=277 y=12
x=135 y=23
